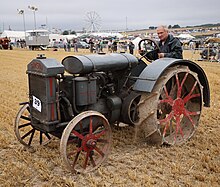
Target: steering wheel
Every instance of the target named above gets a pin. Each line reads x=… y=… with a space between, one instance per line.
x=148 y=49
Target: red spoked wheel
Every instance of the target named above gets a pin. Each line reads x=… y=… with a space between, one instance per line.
x=26 y=133
x=86 y=142
x=179 y=105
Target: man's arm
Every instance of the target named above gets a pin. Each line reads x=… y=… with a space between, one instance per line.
x=176 y=50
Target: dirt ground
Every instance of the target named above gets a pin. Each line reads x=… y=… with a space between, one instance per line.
x=195 y=163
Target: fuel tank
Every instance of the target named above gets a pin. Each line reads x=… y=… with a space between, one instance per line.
x=99 y=62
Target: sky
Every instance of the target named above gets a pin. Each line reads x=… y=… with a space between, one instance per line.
x=111 y=14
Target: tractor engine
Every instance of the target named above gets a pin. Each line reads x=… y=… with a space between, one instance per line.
x=100 y=83
x=91 y=82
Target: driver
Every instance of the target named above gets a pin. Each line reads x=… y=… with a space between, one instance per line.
x=169 y=46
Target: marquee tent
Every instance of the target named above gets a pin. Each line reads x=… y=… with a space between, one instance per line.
x=185 y=36
x=13 y=35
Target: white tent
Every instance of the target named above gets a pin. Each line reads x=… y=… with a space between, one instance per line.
x=56 y=37
x=185 y=36
x=136 y=41
x=107 y=34
x=13 y=35
x=70 y=36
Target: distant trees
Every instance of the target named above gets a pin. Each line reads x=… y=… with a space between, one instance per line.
x=67 y=32
x=152 y=27
x=175 y=26
x=73 y=32
x=206 y=25
x=169 y=27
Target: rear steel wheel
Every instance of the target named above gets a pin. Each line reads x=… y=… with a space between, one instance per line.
x=25 y=132
x=86 y=142
x=176 y=105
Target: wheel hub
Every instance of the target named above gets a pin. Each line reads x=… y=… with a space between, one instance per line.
x=89 y=143
x=178 y=107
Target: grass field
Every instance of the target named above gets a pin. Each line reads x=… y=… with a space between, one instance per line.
x=196 y=163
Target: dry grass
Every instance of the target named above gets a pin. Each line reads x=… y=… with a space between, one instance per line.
x=196 y=163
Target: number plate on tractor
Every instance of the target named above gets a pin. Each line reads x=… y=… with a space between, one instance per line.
x=37 y=103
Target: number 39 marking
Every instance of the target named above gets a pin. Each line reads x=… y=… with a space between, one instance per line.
x=37 y=103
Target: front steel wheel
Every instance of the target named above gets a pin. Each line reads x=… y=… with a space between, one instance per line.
x=176 y=105
x=25 y=132
x=86 y=142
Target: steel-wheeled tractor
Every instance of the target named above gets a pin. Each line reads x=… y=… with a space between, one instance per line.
x=81 y=98
x=5 y=43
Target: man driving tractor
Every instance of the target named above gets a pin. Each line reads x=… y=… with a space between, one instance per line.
x=169 y=46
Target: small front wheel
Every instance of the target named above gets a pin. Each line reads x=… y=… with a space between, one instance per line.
x=25 y=132
x=86 y=142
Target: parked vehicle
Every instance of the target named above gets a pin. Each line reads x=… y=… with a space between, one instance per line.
x=37 y=39
x=83 y=45
x=57 y=44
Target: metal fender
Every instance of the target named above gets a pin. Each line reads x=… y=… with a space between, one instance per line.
x=149 y=76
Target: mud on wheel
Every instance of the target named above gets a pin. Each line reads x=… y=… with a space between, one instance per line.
x=170 y=113
x=86 y=142
x=25 y=132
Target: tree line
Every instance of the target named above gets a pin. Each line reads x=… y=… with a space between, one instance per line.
x=169 y=27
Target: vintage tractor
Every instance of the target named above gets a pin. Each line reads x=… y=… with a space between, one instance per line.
x=80 y=99
x=5 y=43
